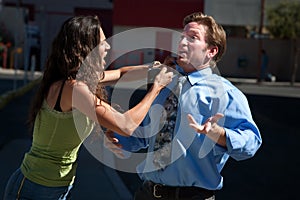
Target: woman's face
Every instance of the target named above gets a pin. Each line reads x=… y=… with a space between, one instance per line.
x=104 y=47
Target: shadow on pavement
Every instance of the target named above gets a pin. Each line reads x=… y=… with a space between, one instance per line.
x=272 y=174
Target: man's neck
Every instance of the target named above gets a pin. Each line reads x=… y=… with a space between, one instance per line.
x=190 y=68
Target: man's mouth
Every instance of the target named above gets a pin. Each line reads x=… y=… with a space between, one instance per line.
x=182 y=54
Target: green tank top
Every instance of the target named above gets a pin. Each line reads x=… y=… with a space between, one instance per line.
x=57 y=137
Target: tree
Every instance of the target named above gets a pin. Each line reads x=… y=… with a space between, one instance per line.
x=284 y=23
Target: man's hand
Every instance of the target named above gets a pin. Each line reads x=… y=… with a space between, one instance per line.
x=207 y=126
x=210 y=128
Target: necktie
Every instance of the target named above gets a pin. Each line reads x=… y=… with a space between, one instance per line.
x=163 y=140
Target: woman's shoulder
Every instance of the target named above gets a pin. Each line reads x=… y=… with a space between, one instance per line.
x=75 y=88
x=76 y=85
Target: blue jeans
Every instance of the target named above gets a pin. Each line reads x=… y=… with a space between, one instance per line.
x=19 y=187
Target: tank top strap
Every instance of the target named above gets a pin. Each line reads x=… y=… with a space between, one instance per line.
x=57 y=104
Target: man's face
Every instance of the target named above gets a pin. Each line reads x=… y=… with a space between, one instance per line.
x=193 y=51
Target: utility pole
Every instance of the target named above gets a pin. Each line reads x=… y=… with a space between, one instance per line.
x=260 y=31
x=262 y=16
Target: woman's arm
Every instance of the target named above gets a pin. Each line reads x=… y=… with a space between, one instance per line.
x=136 y=72
x=107 y=116
x=140 y=72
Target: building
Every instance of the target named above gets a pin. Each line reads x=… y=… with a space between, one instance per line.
x=147 y=30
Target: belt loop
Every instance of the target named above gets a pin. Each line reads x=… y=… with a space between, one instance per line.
x=177 y=193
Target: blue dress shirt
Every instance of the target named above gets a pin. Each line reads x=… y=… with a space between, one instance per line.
x=196 y=159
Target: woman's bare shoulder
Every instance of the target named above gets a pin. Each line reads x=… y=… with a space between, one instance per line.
x=78 y=88
x=71 y=84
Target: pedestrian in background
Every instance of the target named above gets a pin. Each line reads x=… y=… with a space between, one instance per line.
x=264 y=65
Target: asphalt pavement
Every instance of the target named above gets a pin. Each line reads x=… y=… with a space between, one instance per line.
x=94 y=180
x=271 y=174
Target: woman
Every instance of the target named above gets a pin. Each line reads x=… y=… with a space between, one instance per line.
x=68 y=103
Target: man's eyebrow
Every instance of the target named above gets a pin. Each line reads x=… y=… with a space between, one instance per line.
x=195 y=32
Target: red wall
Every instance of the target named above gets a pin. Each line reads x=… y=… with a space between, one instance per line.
x=159 y=13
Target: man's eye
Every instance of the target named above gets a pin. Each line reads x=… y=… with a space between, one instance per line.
x=189 y=37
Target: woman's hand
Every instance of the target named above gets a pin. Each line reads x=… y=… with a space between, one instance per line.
x=170 y=62
x=163 y=78
x=155 y=64
x=112 y=143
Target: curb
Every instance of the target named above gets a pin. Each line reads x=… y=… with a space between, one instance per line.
x=10 y=95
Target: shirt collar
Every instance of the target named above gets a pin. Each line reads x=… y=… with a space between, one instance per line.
x=197 y=75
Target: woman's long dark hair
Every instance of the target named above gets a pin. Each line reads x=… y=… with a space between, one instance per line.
x=73 y=56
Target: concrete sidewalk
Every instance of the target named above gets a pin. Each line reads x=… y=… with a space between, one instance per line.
x=277 y=89
x=18 y=74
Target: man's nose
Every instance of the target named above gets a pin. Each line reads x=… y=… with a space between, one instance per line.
x=183 y=41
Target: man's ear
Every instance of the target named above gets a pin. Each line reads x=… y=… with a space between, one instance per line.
x=213 y=50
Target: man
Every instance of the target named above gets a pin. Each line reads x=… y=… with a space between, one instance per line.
x=198 y=152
